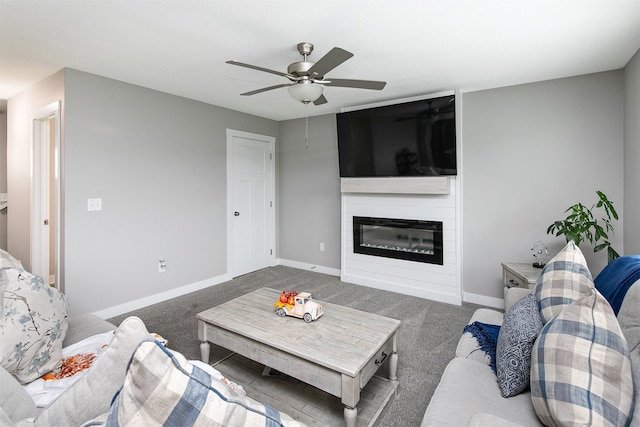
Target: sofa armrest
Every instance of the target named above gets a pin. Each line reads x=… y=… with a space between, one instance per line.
x=512 y=295
x=15 y=402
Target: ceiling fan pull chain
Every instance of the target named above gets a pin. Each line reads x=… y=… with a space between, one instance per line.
x=306 y=130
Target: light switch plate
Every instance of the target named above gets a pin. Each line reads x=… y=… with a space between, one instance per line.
x=94 y=205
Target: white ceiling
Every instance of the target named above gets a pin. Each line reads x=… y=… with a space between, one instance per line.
x=417 y=47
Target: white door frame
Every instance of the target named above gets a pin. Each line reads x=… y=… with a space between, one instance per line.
x=40 y=190
x=271 y=233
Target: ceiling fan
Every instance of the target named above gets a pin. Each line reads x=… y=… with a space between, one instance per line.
x=308 y=78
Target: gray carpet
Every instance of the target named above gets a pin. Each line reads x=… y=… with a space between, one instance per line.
x=426 y=341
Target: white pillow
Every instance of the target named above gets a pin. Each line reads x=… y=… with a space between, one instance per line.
x=8 y=261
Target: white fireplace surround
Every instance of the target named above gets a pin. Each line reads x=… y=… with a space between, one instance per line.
x=427 y=199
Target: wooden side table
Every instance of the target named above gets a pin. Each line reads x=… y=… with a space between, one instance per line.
x=520 y=275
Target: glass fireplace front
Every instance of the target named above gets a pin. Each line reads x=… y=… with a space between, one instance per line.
x=412 y=240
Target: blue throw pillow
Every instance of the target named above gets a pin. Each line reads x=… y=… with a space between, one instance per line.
x=616 y=278
x=518 y=333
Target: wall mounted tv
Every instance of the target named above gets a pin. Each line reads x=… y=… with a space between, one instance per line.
x=415 y=138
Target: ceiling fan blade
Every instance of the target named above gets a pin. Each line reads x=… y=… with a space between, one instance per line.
x=331 y=60
x=255 y=67
x=358 y=84
x=264 y=89
x=320 y=101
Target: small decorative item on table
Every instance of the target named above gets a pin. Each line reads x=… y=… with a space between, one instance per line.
x=299 y=305
x=540 y=254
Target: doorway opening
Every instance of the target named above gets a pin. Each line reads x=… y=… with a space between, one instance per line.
x=45 y=194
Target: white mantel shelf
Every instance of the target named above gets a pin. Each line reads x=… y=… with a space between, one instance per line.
x=398 y=185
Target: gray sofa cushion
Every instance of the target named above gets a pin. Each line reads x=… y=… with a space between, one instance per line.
x=513 y=295
x=484 y=420
x=468 y=387
x=84 y=326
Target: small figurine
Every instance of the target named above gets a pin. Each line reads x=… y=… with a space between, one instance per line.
x=540 y=254
x=299 y=305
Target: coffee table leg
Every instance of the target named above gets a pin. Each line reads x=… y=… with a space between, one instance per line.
x=393 y=362
x=205 y=348
x=350 y=416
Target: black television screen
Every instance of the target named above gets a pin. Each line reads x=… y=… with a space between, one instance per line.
x=415 y=138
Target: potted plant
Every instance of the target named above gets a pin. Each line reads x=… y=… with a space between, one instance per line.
x=581 y=225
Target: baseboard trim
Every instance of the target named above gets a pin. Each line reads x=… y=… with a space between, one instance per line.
x=311 y=267
x=183 y=290
x=483 y=300
x=160 y=297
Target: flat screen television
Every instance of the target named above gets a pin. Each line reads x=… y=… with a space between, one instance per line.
x=416 y=138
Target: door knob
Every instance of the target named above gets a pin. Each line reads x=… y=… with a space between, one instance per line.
x=236 y=213
x=46 y=222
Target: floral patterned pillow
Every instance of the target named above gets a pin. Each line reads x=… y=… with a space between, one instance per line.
x=7 y=260
x=33 y=324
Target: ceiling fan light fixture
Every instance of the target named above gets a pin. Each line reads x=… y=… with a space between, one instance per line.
x=305 y=91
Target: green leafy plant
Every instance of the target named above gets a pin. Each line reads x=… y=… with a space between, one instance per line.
x=581 y=225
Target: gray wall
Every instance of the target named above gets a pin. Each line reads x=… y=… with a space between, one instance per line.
x=3 y=171
x=529 y=152
x=309 y=192
x=632 y=156
x=158 y=162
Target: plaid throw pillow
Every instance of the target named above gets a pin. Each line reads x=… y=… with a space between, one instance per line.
x=580 y=367
x=163 y=388
x=565 y=279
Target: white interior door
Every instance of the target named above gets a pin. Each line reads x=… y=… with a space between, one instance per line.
x=251 y=211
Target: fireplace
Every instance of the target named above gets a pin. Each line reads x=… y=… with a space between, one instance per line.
x=411 y=240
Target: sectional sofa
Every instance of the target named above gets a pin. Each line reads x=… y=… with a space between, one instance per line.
x=83 y=371
x=565 y=353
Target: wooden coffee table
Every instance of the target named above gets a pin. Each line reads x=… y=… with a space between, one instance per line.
x=338 y=353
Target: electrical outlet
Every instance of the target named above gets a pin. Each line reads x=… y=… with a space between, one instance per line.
x=321 y=247
x=94 y=205
x=162 y=266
